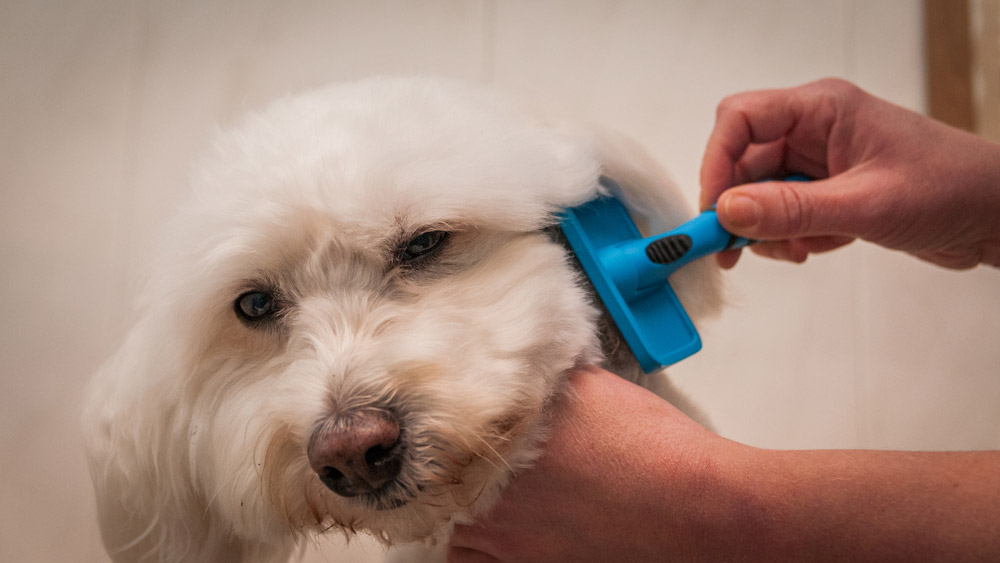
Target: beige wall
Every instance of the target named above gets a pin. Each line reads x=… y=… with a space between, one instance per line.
x=104 y=103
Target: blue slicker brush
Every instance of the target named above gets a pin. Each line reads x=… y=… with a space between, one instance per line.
x=631 y=273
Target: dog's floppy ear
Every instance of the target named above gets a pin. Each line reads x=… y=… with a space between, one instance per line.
x=137 y=446
x=656 y=206
x=132 y=492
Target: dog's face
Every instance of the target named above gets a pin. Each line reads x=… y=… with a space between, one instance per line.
x=359 y=320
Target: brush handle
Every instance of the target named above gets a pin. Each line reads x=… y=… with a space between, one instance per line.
x=642 y=264
x=698 y=237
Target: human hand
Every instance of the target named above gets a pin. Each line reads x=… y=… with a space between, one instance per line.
x=625 y=477
x=884 y=174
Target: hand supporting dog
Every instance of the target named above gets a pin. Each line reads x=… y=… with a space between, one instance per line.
x=626 y=477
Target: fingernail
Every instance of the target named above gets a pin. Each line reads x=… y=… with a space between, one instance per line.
x=742 y=211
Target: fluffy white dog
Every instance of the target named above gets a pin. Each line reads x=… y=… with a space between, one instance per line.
x=358 y=322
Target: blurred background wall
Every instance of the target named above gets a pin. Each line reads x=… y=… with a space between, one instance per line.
x=104 y=103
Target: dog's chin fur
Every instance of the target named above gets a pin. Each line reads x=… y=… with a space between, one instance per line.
x=197 y=428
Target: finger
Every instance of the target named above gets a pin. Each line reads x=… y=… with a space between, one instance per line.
x=742 y=120
x=473 y=535
x=956 y=260
x=777 y=159
x=798 y=250
x=819 y=245
x=467 y=555
x=780 y=250
x=760 y=161
x=787 y=210
x=727 y=259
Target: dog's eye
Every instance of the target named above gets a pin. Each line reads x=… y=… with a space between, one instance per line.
x=255 y=305
x=423 y=245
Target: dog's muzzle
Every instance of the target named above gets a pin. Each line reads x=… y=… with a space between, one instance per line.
x=358 y=453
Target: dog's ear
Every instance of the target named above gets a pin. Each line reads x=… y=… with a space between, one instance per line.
x=120 y=444
x=657 y=205
x=140 y=426
x=137 y=451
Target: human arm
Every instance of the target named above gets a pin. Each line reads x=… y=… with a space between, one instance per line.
x=627 y=477
x=883 y=174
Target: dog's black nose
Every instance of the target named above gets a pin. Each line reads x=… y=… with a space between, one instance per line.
x=356 y=453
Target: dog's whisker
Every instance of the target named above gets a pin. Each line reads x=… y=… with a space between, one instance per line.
x=228 y=482
x=138 y=539
x=425 y=502
x=496 y=456
x=479 y=494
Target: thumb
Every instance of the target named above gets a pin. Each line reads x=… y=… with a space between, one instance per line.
x=778 y=210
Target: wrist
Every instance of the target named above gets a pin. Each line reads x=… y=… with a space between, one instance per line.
x=727 y=511
x=990 y=252
x=746 y=522
x=758 y=507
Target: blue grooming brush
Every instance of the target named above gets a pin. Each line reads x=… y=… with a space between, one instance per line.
x=630 y=273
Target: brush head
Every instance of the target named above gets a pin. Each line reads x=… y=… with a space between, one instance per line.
x=630 y=273
x=651 y=319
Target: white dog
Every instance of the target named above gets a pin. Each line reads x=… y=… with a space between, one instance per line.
x=358 y=322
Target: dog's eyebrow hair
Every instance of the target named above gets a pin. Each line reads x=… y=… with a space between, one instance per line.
x=263 y=282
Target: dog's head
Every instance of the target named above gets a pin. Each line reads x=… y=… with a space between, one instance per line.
x=355 y=324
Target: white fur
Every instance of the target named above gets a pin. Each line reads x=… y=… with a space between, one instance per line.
x=197 y=427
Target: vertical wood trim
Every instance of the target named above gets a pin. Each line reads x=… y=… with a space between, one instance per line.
x=986 y=71
x=949 y=62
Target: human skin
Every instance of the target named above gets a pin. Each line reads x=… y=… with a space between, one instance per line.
x=626 y=477
x=884 y=174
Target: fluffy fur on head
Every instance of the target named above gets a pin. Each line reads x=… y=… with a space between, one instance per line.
x=376 y=246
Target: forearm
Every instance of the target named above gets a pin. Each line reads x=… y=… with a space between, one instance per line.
x=651 y=485
x=868 y=506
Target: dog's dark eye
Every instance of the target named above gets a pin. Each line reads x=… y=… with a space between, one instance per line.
x=255 y=305
x=423 y=245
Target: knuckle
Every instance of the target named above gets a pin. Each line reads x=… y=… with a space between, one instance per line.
x=837 y=86
x=731 y=104
x=840 y=93
x=797 y=210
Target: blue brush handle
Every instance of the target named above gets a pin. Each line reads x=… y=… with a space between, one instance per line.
x=642 y=265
